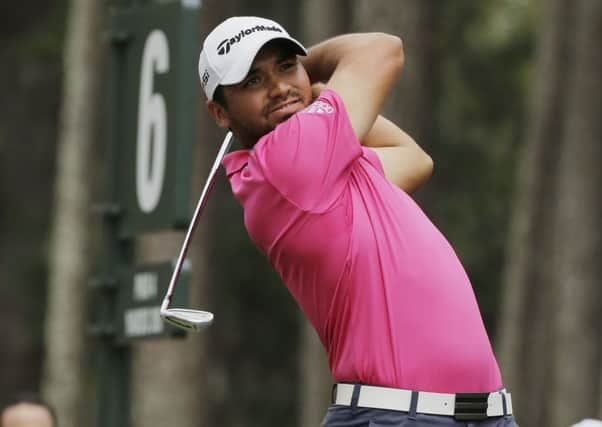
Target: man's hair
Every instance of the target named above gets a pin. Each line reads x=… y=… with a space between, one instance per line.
x=32 y=399
x=219 y=97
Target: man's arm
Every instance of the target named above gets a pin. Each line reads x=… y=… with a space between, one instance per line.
x=361 y=68
x=405 y=164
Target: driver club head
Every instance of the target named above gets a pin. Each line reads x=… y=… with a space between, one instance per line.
x=191 y=320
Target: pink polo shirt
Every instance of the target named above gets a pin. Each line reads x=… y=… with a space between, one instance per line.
x=383 y=288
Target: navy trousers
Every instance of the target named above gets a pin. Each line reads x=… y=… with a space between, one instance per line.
x=347 y=416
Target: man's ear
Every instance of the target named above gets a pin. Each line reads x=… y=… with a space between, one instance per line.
x=219 y=114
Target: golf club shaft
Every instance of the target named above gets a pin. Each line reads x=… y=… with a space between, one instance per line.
x=195 y=219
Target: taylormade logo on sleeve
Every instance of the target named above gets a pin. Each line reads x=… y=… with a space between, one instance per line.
x=224 y=46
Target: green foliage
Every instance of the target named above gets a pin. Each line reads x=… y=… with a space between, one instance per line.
x=40 y=37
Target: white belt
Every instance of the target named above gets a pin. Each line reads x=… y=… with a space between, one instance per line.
x=461 y=405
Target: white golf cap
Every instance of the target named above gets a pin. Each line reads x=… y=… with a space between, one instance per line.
x=229 y=50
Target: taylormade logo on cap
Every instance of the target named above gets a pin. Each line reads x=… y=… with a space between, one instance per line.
x=224 y=47
x=230 y=49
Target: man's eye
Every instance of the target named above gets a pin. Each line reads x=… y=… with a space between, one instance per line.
x=253 y=81
x=287 y=65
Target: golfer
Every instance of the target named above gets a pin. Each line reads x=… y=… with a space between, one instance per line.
x=324 y=180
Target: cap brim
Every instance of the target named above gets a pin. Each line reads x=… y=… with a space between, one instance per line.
x=241 y=68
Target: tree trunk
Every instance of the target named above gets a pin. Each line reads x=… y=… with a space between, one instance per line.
x=578 y=245
x=69 y=243
x=321 y=20
x=540 y=256
x=410 y=103
x=528 y=284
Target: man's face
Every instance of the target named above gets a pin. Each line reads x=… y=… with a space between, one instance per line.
x=276 y=87
x=26 y=415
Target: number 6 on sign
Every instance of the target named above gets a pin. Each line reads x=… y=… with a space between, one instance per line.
x=151 y=142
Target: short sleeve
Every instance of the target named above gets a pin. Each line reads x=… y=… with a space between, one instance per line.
x=308 y=158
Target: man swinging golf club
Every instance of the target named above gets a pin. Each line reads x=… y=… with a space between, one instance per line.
x=324 y=183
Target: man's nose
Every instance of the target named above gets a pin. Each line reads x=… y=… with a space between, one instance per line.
x=278 y=87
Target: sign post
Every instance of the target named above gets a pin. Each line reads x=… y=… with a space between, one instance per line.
x=152 y=107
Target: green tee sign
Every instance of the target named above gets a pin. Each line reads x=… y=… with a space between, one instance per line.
x=153 y=97
x=159 y=98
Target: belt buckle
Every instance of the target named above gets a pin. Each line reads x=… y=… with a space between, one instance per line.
x=471 y=406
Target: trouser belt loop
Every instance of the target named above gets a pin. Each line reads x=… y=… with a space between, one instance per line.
x=333 y=393
x=413 y=405
x=504 y=404
x=355 y=396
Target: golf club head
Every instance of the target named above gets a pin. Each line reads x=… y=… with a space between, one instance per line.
x=191 y=320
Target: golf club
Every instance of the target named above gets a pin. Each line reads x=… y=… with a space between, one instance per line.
x=185 y=318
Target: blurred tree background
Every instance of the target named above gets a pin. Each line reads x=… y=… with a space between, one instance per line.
x=505 y=96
